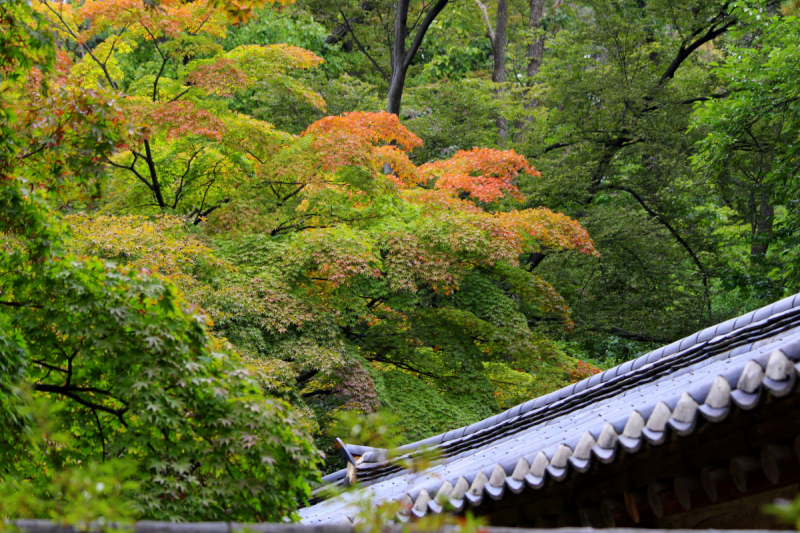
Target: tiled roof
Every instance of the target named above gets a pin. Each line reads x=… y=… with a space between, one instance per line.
x=703 y=375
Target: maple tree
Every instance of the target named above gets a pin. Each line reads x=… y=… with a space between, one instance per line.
x=188 y=153
x=348 y=278
x=355 y=279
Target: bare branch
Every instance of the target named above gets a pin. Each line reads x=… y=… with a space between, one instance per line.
x=361 y=46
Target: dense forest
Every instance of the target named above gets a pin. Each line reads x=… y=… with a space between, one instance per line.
x=226 y=224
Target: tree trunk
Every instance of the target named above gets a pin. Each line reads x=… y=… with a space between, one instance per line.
x=155 y=185
x=499 y=42
x=395 y=95
x=535 y=49
x=763 y=216
x=499 y=46
x=398 y=79
x=401 y=58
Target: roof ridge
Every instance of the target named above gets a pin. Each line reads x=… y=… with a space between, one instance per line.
x=719 y=333
x=653 y=371
x=739 y=378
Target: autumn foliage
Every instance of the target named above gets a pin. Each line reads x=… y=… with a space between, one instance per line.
x=328 y=270
x=481 y=173
x=362 y=138
x=405 y=260
x=117 y=399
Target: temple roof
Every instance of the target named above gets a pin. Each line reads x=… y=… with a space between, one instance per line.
x=643 y=402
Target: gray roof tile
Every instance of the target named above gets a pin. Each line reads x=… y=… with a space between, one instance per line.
x=707 y=334
x=744 y=320
x=764 y=312
x=783 y=305
x=691 y=340
x=596 y=379
x=582 y=385
x=726 y=327
x=578 y=411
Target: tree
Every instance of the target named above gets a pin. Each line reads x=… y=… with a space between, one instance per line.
x=497 y=36
x=749 y=151
x=352 y=289
x=401 y=57
x=536 y=48
x=120 y=363
x=389 y=26
x=401 y=278
x=620 y=90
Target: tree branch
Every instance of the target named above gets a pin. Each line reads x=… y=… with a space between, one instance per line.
x=179 y=191
x=65 y=27
x=68 y=392
x=48 y=365
x=685 y=51
x=485 y=16
x=100 y=430
x=19 y=304
x=318 y=392
x=670 y=228
x=156 y=188
x=382 y=359
x=180 y=94
x=361 y=46
x=202 y=214
x=305 y=376
x=421 y=31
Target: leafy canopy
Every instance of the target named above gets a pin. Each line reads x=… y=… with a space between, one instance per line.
x=121 y=371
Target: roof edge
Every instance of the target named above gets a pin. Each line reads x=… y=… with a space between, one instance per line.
x=680 y=345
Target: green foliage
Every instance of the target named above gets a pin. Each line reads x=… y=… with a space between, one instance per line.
x=787 y=512
x=134 y=386
x=184 y=92
x=749 y=149
x=613 y=152
x=451 y=116
x=355 y=263
x=47 y=485
x=426 y=411
x=279 y=25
